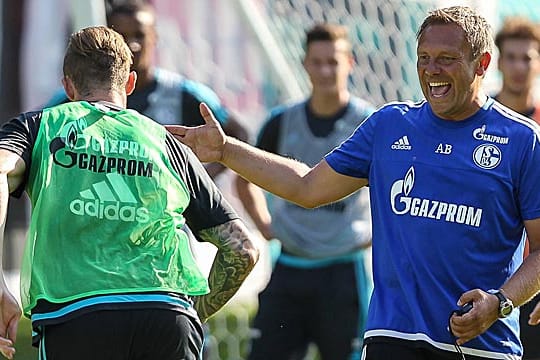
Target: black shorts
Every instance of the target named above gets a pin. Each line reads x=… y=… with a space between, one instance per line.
x=530 y=335
x=143 y=334
x=384 y=348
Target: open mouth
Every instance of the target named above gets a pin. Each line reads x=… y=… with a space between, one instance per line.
x=439 y=89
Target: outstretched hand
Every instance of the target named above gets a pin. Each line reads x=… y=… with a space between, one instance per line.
x=10 y=313
x=207 y=141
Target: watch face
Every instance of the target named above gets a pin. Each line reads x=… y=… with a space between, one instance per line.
x=506 y=308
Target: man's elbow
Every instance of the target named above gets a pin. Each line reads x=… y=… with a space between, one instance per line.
x=306 y=201
x=250 y=253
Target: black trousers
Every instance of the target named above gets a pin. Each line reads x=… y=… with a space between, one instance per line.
x=404 y=350
x=302 y=306
x=145 y=334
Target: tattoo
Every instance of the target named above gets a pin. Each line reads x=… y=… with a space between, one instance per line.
x=235 y=258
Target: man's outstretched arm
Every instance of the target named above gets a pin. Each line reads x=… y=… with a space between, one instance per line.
x=234 y=260
x=284 y=177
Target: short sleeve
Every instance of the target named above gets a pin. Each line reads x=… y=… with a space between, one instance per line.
x=353 y=157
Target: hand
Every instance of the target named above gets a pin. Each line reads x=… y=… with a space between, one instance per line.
x=10 y=313
x=207 y=141
x=534 y=318
x=483 y=314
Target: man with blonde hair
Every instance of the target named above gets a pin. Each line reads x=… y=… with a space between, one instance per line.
x=453 y=182
x=107 y=271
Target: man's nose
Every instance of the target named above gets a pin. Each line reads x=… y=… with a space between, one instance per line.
x=432 y=68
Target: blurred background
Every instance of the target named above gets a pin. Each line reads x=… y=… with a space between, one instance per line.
x=249 y=52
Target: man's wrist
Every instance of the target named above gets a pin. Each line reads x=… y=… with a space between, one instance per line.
x=505 y=304
x=229 y=142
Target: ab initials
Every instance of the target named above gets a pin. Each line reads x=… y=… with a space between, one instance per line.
x=445 y=149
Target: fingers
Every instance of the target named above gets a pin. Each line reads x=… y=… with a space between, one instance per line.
x=468 y=296
x=534 y=318
x=207 y=115
x=461 y=328
x=6 y=348
x=479 y=318
x=12 y=329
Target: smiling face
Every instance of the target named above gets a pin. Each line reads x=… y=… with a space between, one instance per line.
x=449 y=76
x=519 y=63
x=328 y=64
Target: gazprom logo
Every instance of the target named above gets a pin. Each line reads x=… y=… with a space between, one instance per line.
x=403 y=204
x=480 y=134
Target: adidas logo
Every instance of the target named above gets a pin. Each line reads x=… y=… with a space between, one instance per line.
x=402 y=144
x=111 y=200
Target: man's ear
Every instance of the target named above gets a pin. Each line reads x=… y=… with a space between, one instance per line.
x=69 y=88
x=483 y=64
x=130 y=84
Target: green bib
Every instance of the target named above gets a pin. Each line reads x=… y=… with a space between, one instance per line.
x=106 y=209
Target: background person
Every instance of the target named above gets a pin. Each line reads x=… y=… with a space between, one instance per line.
x=518 y=42
x=438 y=242
x=321 y=265
x=123 y=280
x=164 y=96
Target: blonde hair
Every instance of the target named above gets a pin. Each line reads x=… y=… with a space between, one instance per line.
x=477 y=30
x=97 y=57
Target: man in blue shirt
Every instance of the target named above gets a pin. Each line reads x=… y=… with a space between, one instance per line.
x=453 y=185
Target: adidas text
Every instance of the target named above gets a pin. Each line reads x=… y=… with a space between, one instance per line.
x=110 y=211
x=402 y=144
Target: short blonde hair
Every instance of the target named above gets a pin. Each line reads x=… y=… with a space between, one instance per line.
x=477 y=30
x=97 y=57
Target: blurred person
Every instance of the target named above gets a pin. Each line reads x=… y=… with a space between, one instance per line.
x=164 y=96
x=518 y=42
x=453 y=183
x=47 y=25
x=321 y=265
x=110 y=192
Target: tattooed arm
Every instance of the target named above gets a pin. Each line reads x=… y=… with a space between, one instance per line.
x=235 y=258
x=212 y=219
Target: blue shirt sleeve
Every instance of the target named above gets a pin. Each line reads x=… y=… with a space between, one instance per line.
x=353 y=157
x=528 y=182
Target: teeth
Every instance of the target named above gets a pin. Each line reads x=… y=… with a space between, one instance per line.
x=433 y=84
